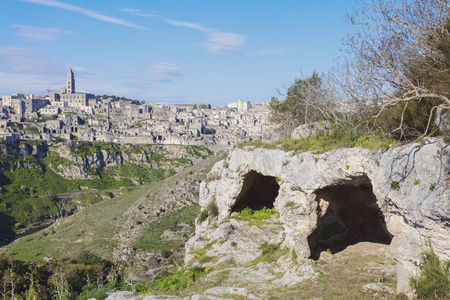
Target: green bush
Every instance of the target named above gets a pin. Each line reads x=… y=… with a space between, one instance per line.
x=395 y=185
x=203 y=216
x=268 y=249
x=261 y=214
x=179 y=280
x=210 y=210
x=434 y=279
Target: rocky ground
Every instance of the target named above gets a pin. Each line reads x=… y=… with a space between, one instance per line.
x=241 y=267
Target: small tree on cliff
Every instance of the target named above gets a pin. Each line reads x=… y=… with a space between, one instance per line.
x=306 y=100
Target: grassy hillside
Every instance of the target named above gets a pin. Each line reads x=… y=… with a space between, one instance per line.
x=102 y=227
x=92 y=229
x=28 y=183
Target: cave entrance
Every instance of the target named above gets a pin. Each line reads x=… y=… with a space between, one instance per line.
x=348 y=214
x=258 y=191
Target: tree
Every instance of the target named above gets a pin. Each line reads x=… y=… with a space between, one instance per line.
x=399 y=55
x=204 y=106
x=307 y=100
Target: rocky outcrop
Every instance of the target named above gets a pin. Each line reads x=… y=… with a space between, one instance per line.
x=81 y=160
x=305 y=130
x=37 y=150
x=398 y=197
x=443 y=120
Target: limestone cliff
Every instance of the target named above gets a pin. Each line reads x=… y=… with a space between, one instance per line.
x=400 y=197
x=86 y=160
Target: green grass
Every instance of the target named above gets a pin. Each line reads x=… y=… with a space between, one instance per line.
x=27 y=181
x=257 y=214
x=92 y=229
x=178 y=280
x=42 y=180
x=25 y=192
x=86 y=199
x=142 y=174
x=150 y=238
x=270 y=253
x=326 y=141
x=95 y=227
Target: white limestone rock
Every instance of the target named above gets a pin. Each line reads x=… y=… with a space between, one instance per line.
x=409 y=184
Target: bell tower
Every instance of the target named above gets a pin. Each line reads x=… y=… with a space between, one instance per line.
x=70 y=82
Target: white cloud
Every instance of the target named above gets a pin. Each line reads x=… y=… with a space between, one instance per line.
x=162 y=72
x=28 y=71
x=26 y=61
x=225 y=43
x=189 y=25
x=84 y=11
x=39 y=33
x=216 y=43
x=139 y=12
x=271 y=52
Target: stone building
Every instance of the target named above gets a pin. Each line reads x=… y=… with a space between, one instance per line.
x=69 y=95
x=240 y=105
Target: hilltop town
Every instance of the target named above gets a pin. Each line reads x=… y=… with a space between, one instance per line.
x=71 y=115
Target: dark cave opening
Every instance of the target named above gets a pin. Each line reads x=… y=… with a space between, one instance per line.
x=257 y=192
x=348 y=214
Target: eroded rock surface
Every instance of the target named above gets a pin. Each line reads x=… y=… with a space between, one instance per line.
x=399 y=197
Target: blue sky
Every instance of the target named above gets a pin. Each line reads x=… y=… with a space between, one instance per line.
x=173 y=51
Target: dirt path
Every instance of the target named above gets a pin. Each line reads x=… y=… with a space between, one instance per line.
x=69 y=195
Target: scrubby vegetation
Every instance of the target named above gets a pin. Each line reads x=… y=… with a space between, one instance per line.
x=28 y=194
x=178 y=280
x=380 y=86
x=30 y=185
x=151 y=238
x=80 y=277
x=211 y=211
x=434 y=279
x=256 y=214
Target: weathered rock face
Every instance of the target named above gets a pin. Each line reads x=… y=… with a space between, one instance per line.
x=39 y=150
x=400 y=197
x=85 y=164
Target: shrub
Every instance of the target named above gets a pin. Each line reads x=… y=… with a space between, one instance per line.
x=434 y=279
x=205 y=259
x=179 y=280
x=294 y=255
x=261 y=214
x=203 y=216
x=268 y=249
x=432 y=187
x=289 y=204
x=210 y=210
x=395 y=185
x=151 y=239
